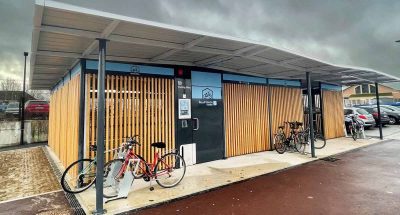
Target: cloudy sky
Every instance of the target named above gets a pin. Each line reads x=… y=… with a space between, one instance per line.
x=356 y=33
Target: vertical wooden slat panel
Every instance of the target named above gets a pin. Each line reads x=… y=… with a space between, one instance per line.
x=332 y=102
x=151 y=118
x=87 y=112
x=171 y=99
x=121 y=111
x=286 y=105
x=141 y=118
x=129 y=108
x=112 y=113
x=135 y=111
x=157 y=110
x=125 y=103
x=63 y=121
x=136 y=105
x=107 y=130
x=245 y=118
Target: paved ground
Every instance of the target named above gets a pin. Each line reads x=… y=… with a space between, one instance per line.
x=364 y=181
x=206 y=176
x=25 y=172
x=389 y=131
x=45 y=204
x=28 y=184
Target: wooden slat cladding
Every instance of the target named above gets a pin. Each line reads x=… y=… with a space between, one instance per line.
x=64 y=121
x=134 y=105
x=245 y=119
x=286 y=105
x=332 y=108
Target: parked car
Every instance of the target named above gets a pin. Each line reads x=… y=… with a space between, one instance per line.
x=12 y=109
x=3 y=107
x=374 y=111
x=36 y=108
x=393 y=112
x=397 y=104
x=362 y=115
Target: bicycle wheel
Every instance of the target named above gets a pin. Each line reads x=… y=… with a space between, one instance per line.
x=170 y=170
x=319 y=141
x=111 y=177
x=75 y=181
x=354 y=133
x=279 y=143
x=300 y=143
x=143 y=168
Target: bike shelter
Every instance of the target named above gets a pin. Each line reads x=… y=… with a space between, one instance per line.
x=172 y=84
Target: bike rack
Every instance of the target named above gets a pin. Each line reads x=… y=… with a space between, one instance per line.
x=362 y=133
x=122 y=187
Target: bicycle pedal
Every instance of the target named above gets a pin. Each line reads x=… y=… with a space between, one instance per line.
x=151 y=188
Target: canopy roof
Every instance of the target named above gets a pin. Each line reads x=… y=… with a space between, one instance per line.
x=65 y=33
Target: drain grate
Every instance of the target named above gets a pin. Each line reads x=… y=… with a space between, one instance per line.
x=330 y=159
x=73 y=202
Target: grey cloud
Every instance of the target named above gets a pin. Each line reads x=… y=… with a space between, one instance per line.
x=358 y=33
x=15 y=34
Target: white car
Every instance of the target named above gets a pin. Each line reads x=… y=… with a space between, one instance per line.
x=12 y=109
x=362 y=115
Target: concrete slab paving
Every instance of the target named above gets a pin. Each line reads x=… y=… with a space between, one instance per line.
x=25 y=172
x=210 y=175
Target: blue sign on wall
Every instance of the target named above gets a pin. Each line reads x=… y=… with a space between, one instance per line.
x=131 y=68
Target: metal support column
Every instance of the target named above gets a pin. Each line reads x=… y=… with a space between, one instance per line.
x=22 y=105
x=321 y=108
x=379 y=110
x=271 y=138
x=310 y=113
x=82 y=99
x=100 y=126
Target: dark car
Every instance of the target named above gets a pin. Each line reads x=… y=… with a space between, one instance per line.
x=393 y=112
x=374 y=111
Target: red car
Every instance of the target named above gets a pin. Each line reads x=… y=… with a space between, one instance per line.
x=36 y=108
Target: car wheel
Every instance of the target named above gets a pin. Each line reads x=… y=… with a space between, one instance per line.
x=392 y=120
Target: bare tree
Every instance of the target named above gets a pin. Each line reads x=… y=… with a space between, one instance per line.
x=40 y=94
x=10 y=85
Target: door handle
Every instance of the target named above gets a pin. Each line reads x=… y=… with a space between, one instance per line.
x=197 y=124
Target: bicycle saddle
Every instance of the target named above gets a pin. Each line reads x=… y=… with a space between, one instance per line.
x=159 y=145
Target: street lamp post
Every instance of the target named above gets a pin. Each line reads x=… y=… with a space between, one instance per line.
x=22 y=105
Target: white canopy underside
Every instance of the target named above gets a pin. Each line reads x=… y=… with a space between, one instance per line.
x=64 y=33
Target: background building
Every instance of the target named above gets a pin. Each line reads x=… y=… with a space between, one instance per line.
x=365 y=94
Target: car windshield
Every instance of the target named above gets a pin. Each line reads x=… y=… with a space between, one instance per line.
x=362 y=111
x=393 y=108
x=385 y=109
x=12 y=105
x=347 y=111
x=37 y=102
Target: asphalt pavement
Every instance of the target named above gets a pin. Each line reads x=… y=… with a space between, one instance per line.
x=364 y=181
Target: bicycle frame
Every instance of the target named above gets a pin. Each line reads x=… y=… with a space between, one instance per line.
x=131 y=158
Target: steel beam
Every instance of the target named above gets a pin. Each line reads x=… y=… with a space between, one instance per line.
x=100 y=127
x=310 y=113
x=82 y=99
x=379 y=110
x=22 y=104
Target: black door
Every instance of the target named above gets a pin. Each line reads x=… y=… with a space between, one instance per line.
x=207 y=116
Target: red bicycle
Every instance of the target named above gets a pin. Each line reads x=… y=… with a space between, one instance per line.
x=167 y=170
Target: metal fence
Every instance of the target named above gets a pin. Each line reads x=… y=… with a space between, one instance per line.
x=36 y=127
